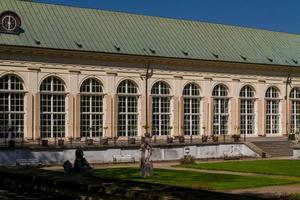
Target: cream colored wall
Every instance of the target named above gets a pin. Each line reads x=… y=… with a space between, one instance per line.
x=33 y=74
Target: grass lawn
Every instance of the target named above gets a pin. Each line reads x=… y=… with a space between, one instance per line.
x=194 y=180
x=276 y=167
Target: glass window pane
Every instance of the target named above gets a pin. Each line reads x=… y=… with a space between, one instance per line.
x=127 y=109
x=11 y=107
x=52 y=107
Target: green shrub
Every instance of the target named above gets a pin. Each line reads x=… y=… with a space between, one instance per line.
x=187 y=159
x=291 y=136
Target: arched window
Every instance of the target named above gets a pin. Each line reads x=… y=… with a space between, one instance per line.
x=295 y=110
x=161 y=109
x=53 y=112
x=247 y=110
x=272 y=111
x=11 y=107
x=191 y=96
x=127 y=108
x=91 y=109
x=220 y=95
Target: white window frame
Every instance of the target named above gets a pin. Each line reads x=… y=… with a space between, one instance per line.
x=295 y=110
x=160 y=94
x=221 y=102
x=247 y=99
x=191 y=102
x=9 y=94
x=53 y=95
x=130 y=93
x=272 y=118
x=95 y=96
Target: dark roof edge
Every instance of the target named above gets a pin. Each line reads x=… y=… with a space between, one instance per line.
x=143 y=56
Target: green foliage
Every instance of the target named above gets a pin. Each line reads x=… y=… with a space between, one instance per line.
x=187 y=159
x=195 y=180
x=291 y=137
x=276 y=167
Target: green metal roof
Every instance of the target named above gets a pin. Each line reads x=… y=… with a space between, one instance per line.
x=66 y=28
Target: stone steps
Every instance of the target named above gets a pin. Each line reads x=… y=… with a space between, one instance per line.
x=275 y=148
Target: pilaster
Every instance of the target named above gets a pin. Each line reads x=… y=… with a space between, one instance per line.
x=70 y=117
x=175 y=116
x=29 y=114
x=76 y=132
x=36 y=121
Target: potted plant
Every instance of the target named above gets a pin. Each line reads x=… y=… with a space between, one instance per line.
x=291 y=136
x=236 y=137
x=115 y=139
x=132 y=140
x=204 y=138
x=104 y=141
x=61 y=142
x=215 y=138
x=169 y=139
x=44 y=142
x=89 y=141
x=181 y=139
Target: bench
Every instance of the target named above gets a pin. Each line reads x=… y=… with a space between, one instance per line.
x=28 y=162
x=123 y=158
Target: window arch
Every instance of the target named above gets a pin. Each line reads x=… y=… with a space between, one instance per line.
x=161 y=109
x=52 y=106
x=247 y=110
x=91 y=109
x=127 y=108
x=295 y=110
x=272 y=110
x=191 y=98
x=11 y=107
x=220 y=95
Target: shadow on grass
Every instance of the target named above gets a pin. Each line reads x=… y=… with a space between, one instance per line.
x=187 y=185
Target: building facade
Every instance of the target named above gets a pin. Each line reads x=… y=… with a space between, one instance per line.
x=59 y=85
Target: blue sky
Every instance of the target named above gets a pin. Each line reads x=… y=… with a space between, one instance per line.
x=276 y=15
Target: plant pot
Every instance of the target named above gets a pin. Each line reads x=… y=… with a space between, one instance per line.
x=89 y=142
x=236 y=139
x=44 y=143
x=132 y=141
x=104 y=141
x=169 y=140
x=11 y=143
x=181 y=139
x=61 y=142
x=215 y=138
x=291 y=137
x=204 y=138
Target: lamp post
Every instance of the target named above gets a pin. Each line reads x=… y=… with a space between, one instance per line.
x=146 y=148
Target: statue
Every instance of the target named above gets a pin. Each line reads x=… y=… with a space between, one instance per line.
x=146 y=163
x=81 y=165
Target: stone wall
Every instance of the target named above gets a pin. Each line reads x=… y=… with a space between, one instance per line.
x=160 y=153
